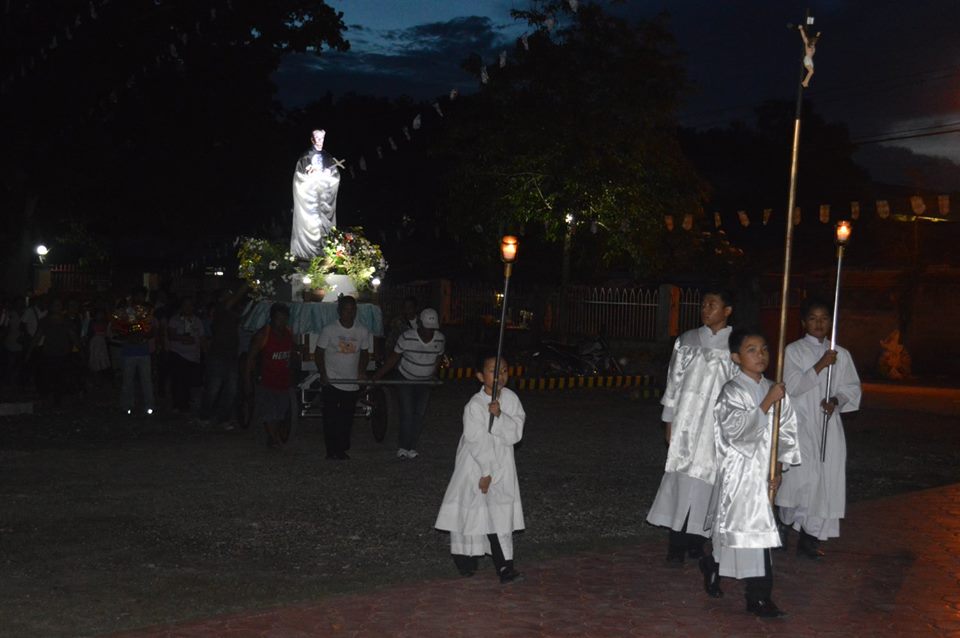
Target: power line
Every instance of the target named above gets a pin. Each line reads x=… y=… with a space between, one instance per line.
x=904 y=137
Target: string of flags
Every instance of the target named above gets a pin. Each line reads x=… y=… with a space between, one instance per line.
x=172 y=52
x=917 y=204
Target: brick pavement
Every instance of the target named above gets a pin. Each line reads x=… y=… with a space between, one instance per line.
x=894 y=572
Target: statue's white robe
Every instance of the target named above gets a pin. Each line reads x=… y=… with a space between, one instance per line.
x=314 y=203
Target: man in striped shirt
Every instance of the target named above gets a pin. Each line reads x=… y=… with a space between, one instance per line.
x=418 y=353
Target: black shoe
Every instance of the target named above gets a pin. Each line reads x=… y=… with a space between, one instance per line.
x=510 y=575
x=343 y=456
x=809 y=547
x=764 y=608
x=467 y=573
x=711 y=577
x=675 y=556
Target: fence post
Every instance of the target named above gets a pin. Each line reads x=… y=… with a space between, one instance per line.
x=668 y=312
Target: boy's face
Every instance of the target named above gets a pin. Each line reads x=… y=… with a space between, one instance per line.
x=817 y=323
x=486 y=376
x=713 y=312
x=753 y=355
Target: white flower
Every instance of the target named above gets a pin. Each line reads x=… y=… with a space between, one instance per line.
x=273 y=265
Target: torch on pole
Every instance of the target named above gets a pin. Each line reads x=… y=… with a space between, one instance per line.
x=787 y=256
x=508 y=254
x=842 y=238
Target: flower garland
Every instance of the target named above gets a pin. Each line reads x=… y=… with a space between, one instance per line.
x=264 y=266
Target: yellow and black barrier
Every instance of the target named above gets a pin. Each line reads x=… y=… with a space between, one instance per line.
x=572 y=383
x=648 y=383
x=470 y=373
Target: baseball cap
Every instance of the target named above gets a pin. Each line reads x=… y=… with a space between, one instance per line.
x=429 y=319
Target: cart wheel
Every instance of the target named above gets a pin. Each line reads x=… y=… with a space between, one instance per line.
x=385 y=413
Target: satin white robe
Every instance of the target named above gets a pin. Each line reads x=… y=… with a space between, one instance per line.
x=467 y=513
x=741 y=514
x=699 y=367
x=314 y=204
x=814 y=495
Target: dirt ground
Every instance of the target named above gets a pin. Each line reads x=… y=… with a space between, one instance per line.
x=105 y=526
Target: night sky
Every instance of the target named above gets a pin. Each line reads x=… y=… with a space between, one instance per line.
x=886 y=68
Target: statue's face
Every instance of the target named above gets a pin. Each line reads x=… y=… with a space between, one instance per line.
x=317 y=138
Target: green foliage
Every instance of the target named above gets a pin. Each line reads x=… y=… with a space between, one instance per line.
x=347 y=253
x=582 y=124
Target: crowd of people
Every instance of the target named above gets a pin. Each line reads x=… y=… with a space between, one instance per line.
x=152 y=348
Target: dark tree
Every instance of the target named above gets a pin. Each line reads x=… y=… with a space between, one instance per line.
x=581 y=125
x=146 y=120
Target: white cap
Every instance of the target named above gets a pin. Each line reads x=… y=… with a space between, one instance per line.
x=429 y=319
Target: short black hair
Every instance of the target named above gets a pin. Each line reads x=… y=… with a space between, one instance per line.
x=411 y=299
x=726 y=296
x=737 y=336
x=486 y=355
x=812 y=302
x=343 y=300
x=277 y=308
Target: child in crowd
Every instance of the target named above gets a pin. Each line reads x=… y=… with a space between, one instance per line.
x=813 y=497
x=741 y=512
x=699 y=367
x=481 y=508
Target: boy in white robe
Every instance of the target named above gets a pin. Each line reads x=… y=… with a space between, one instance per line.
x=699 y=367
x=744 y=526
x=481 y=508
x=812 y=499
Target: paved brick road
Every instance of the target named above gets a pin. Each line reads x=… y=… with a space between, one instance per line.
x=895 y=572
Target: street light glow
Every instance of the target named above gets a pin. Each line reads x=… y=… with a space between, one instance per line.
x=42 y=250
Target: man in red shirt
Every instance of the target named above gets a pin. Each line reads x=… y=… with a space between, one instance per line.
x=272 y=351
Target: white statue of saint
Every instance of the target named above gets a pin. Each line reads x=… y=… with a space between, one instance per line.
x=316 y=181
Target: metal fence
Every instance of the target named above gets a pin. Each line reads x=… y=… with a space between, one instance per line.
x=629 y=313
x=689 y=309
x=612 y=312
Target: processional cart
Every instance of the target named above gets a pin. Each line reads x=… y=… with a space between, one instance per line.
x=346 y=264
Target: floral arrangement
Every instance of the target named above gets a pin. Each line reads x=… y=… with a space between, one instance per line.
x=265 y=265
x=132 y=321
x=347 y=253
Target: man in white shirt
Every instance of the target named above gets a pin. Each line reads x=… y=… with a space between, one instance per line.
x=418 y=354
x=342 y=352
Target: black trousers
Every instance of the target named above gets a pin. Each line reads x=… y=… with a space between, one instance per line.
x=468 y=564
x=682 y=541
x=338 y=409
x=760 y=587
x=186 y=375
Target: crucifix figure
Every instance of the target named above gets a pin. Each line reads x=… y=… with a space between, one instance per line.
x=809 y=50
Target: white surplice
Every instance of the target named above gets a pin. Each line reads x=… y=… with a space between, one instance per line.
x=467 y=513
x=699 y=367
x=741 y=513
x=814 y=495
